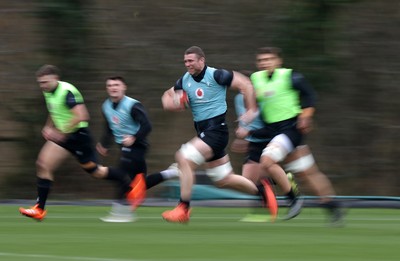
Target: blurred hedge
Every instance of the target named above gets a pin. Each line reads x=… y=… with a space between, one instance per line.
x=344 y=48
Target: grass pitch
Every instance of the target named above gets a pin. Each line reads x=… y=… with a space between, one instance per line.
x=76 y=233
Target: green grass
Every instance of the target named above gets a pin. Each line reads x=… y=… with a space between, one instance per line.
x=76 y=233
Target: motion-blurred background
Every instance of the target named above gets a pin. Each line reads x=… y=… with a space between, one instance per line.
x=347 y=49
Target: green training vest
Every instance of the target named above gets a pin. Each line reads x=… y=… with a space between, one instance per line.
x=276 y=97
x=60 y=113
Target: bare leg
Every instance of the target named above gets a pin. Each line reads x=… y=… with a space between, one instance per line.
x=252 y=171
x=187 y=176
x=49 y=158
x=276 y=173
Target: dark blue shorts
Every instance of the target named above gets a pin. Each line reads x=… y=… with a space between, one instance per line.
x=255 y=151
x=289 y=128
x=80 y=144
x=132 y=159
x=214 y=132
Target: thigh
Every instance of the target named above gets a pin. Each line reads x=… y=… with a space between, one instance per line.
x=202 y=147
x=52 y=155
x=298 y=152
x=255 y=151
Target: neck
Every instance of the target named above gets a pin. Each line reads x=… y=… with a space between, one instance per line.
x=116 y=99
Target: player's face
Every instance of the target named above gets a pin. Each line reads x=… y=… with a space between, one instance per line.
x=193 y=63
x=47 y=82
x=268 y=62
x=115 y=89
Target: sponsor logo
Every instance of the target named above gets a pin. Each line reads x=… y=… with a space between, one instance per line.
x=199 y=93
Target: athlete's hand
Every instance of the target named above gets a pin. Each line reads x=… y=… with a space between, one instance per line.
x=239 y=146
x=128 y=140
x=304 y=124
x=52 y=134
x=101 y=150
x=241 y=132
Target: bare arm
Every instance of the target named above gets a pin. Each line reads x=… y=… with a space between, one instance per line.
x=50 y=132
x=243 y=84
x=80 y=113
x=304 y=120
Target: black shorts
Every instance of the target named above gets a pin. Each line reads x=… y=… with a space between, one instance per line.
x=80 y=144
x=255 y=151
x=214 y=132
x=289 y=128
x=133 y=159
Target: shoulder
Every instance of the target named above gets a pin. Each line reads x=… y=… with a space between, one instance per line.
x=67 y=85
x=184 y=77
x=258 y=74
x=70 y=89
x=130 y=99
x=297 y=78
x=223 y=76
x=107 y=102
x=133 y=103
x=297 y=75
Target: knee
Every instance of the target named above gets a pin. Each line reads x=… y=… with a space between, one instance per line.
x=97 y=175
x=266 y=162
x=188 y=152
x=40 y=165
x=223 y=183
x=179 y=158
x=43 y=170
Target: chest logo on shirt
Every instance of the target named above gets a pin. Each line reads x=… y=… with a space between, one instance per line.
x=115 y=120
x=199 y=93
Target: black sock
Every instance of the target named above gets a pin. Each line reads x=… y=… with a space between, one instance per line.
x=123 y=179
x=261 y=191
x=153 y=180
x=185 y=203
x=331 y=205
x=43 y=188
x=291 y=195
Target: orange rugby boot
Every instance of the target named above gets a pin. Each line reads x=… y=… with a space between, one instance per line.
x=180 y=214
x=34 y=212
x=270 y=200
x=138 y=193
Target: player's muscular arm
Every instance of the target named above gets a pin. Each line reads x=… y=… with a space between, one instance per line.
x=243 y=84
x=80 y=113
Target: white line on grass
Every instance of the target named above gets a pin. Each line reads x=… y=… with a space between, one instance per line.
x=54 y=257
x=81 y=258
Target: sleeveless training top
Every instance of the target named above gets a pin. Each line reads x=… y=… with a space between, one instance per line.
x=120 y=119
x=277 y=99
x=60 y=113
x=207 y=98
